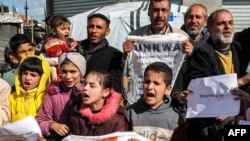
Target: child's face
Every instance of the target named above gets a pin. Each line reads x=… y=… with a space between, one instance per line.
x=71 y=75
x=30 y=80
x=24 y=50
x=93 y=93
x=154 y=88
x=62 y=31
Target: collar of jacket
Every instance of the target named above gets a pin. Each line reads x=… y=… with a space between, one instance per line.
x=85 y=46
x=28 y=93
x=108 y=110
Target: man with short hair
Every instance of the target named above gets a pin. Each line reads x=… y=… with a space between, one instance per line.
x=219 y=55
x=159 y=12
x=97 y=52
x=195 y=21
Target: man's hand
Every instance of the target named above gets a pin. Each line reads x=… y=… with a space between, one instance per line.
x=187 y=47
x=127 y=47
x=242 y=96
x=182 y=96
x=245 y=80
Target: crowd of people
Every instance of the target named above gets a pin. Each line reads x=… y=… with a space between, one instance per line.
x=77 y=87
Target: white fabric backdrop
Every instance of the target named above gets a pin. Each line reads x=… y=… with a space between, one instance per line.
x=123 y=17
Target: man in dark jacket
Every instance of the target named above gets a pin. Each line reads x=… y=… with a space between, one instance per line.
x=158 y=12
x=218 y=56
x=98 y=54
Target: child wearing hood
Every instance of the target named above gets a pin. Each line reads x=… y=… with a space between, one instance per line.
x=55 y=108
x=31 y=80
x=152 y=115
x=100 y=112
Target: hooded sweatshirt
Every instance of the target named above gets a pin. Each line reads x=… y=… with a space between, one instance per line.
x=111 y=118
x=158 y=123
x=24 y=103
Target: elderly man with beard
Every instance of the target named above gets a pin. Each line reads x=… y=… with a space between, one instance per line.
x=195 y=21
x=219 y=55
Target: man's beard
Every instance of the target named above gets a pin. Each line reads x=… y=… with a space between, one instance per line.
x=156 y=27
x=219 y=39
x=194 y=32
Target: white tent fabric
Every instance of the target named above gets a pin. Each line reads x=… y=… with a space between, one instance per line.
x=9 y=19
x=124 y=17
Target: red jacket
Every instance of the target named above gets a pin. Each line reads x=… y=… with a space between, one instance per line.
x=110 y=119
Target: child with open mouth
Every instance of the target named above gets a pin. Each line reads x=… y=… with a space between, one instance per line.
x=100 y=112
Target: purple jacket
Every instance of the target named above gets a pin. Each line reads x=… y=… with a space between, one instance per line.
x=55 y=107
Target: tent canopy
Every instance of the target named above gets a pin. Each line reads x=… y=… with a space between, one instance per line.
x=124 y=18
x=9 y=19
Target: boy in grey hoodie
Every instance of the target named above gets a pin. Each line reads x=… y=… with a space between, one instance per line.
x=152 y=116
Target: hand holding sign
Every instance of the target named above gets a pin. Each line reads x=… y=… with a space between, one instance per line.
x=212 y=98
x=187 y=47
x=128 y=46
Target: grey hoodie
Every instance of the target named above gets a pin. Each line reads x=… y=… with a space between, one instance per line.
x=153 y=123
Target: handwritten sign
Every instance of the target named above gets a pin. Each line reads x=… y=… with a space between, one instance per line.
x=211 y=97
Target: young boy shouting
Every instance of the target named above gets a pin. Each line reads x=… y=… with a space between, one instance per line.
x=30 y=83
x=152 y=116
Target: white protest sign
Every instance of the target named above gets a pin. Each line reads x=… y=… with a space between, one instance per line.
x=154 y=48
x=244 y=122
x=26 y=127
x=117 y=136
x=154 y=133
x=211 y=97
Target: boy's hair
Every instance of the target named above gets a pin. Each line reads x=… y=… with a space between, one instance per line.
x=58 y=21
x=18 y=40
x=97 y=15
x=105 y=78
x=31 y=64
x=161 y=67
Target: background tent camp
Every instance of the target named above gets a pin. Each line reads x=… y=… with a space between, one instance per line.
x=9 y=26
x=124 y=18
